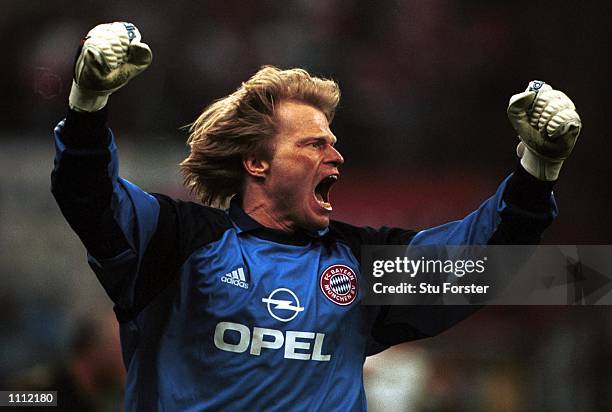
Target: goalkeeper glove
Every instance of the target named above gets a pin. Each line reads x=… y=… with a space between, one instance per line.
x=548 y=125
x=110 y=56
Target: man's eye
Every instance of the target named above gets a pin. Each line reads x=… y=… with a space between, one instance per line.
x=317 y=144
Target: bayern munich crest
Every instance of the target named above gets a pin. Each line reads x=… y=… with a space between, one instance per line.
x=339 y=284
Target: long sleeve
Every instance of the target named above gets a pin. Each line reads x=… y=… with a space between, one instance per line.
x=518 y=213
x=115 y=219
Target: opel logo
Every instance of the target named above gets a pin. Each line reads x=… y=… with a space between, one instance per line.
x=283 y=304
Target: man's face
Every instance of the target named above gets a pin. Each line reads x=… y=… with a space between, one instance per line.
x=303 y=168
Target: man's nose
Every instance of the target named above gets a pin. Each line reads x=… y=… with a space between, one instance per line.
x=334 y=157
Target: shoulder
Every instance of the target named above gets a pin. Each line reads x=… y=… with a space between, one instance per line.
x=357 y=236
x=368 y=235
x=196 y=224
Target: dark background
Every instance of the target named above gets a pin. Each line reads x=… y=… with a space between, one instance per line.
x=422 y=125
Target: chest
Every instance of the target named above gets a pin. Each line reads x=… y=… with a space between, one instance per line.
x=252 y=289
x=239 y=274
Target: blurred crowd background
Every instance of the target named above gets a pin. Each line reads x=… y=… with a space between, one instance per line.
x=423 y=129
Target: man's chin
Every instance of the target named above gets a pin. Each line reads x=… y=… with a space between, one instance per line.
x=313 y=218
x=318 y=223
x=314 y=223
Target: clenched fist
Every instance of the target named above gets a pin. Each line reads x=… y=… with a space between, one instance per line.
x=110 y=56
x=548 y=126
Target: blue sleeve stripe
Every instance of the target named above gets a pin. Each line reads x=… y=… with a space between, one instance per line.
x=475 y=229
x=136 y=212
x=133 y=209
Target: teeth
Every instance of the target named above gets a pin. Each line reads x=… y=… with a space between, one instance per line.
x=326 y=205
x=319 y=197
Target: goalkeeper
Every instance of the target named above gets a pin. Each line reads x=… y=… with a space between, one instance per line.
x=234 y=309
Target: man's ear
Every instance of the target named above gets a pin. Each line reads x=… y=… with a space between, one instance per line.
x=256 y=166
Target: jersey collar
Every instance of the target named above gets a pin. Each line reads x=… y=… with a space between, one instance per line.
x=245 y=223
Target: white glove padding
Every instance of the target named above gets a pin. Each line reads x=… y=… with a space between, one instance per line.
x=548 y=125
x=111 y=55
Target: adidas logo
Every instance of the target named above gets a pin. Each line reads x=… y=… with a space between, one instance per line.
x=236 y=278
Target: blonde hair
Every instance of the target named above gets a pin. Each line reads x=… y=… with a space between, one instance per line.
x=243 y=123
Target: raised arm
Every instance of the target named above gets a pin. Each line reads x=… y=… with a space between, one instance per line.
x=523 y=206
x=115 y=220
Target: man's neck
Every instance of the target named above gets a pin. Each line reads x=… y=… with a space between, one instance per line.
x=259 y=209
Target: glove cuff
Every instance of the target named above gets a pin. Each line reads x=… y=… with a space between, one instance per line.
x=83 y=100
x=540 y=168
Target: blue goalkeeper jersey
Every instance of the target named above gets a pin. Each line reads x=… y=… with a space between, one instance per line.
x=218 y=312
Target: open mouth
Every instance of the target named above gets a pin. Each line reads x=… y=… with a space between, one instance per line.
x=322 y=190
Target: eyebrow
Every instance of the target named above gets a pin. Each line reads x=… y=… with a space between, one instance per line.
x=305 y=139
